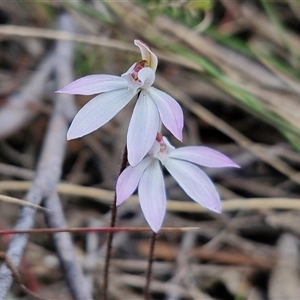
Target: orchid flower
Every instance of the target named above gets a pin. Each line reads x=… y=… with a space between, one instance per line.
x=152 y=107
x=181 y=164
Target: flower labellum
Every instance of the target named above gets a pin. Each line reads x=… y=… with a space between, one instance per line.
x=152 y=107
x=181 y=163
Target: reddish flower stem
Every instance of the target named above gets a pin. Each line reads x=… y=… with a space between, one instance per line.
x=150 y=266
x=93 y=229
x=111 y=234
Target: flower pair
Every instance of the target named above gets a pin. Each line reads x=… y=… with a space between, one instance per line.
x=147 y=148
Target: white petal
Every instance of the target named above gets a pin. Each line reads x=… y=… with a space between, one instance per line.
x=129 y=180
x=97 y=112
x=147 y=77
x=195 y=183
x=142 y=129
x=169 y=110
x=94 y=84
x=152 y=195
x=147 y=54
x=203 y=156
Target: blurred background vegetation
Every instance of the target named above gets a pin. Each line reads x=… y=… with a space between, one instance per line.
x=234 y=66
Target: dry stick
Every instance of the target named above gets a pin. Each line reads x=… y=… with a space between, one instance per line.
x=150 y=265
x=22 y=31
x=18 y=279
x=97 y=230
x=64 y=104
x=105 y=196
x=65 y=250
x=14 y=171
x=182 y=260
x=47 y=176
x=111 y=234
x=182 y=271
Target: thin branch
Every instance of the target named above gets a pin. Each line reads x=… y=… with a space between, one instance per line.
x=95 y=229
x=65 y=109
x=13 y=200
x=65 y=250
x=21 y=31
x=105 y=196
x=47 y=176
x=17 y=277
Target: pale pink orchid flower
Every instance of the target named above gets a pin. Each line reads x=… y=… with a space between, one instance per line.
x=152 y=107
x=181 y=163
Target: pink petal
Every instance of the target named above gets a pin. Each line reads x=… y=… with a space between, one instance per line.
x=142 y=129
x=203 y=156
x=170 y=111
x=152 y=195
x=147 y=54
x=195 y=183
x=129 y=180
x=94 y=84
x=97 y=112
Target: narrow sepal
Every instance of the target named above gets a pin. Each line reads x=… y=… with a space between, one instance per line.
x=94 y=84
x=142 y=129
x=203 y=156
x=169 y=110
x=152 y=195
x=195 y=183
x=129 y=179
x=97 y=112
